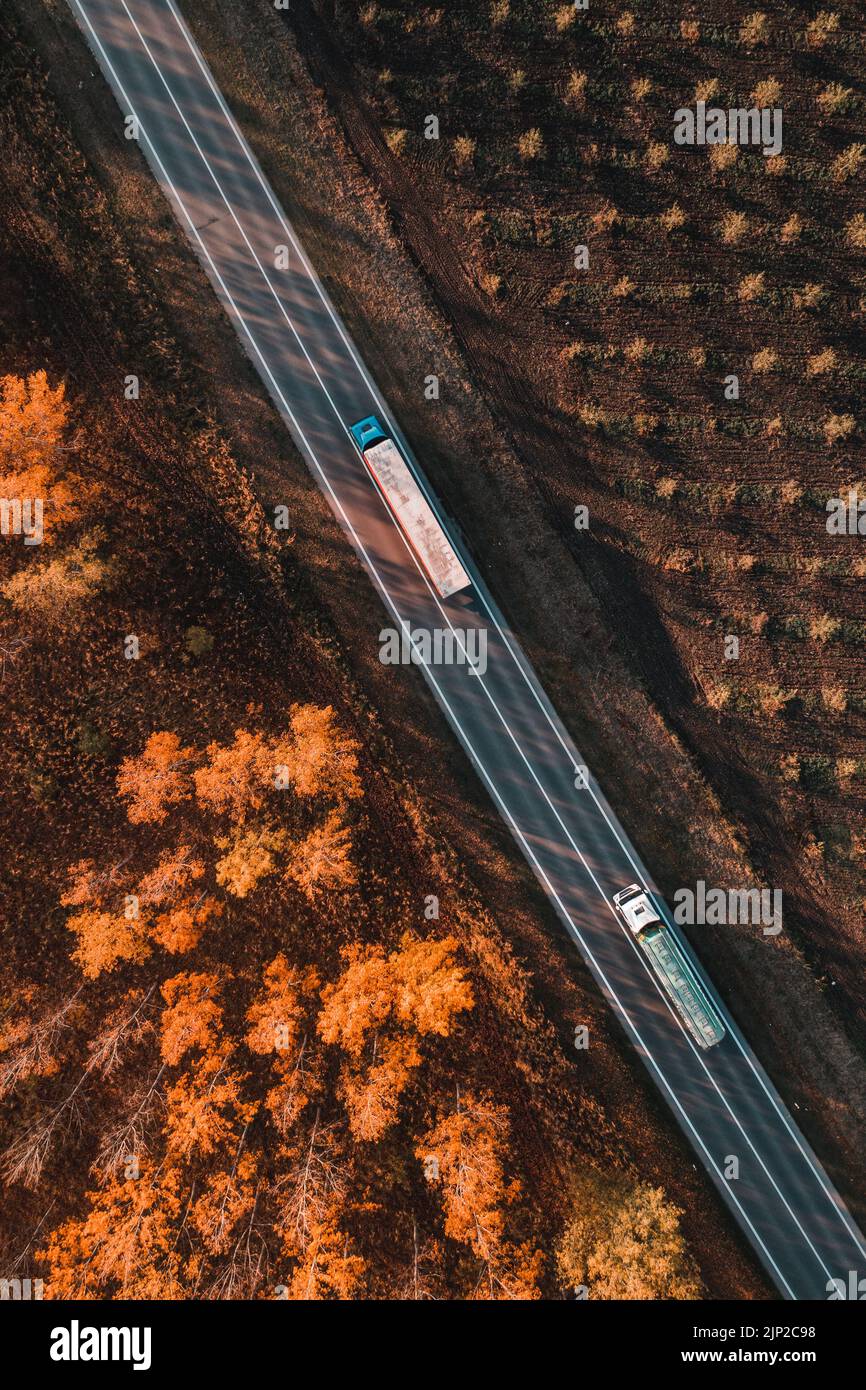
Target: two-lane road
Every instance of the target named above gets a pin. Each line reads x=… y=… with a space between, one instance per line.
x=722 y=1098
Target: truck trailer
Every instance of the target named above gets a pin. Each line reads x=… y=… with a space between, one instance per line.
x=410 y=508
x=670 y=965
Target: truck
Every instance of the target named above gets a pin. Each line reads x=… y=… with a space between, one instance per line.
x=410 y=508
x=670 y=965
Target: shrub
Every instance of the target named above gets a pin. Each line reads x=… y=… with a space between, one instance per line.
x=767 y=92
x=809 y=297
x=657 y=154
x=754 y=30
x=834 y=98
x=396 y=140
x=723 y=156
x=531 y=145
x=637 y=350
x=823 y=628
x=673 y=218
x=604 y=219
x=821 y=27
x=846 y=165
x=623 y=288
x=765 y=360
x=464 y=151
x=855 y=231
x=821 y=363
x=772 y=699
x=706 y=90
x=575 y=91
x=751 y=287
x=198 y=640
x=838 y=427
x=734 y=226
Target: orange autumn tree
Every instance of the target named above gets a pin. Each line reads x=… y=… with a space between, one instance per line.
x=33 y=431
x=176 y=906
x=165 y=1209
x=284 y=798
x=280 y=1025
x=106 y=931
x=41 y=496
x=246 y=782
x=157 y=779
x=192 y=1015
x=120 y=921
x=378 y=1011
x=126 y=1245
x=311 y=1195
x=205 y=1105
x=464 y=1156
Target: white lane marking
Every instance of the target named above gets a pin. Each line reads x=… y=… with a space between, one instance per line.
x=833 y=1197
x=384 y=591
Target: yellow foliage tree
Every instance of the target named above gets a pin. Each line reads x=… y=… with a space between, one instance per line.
x=627 y=1246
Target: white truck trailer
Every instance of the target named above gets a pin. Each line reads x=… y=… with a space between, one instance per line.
x=410 y=508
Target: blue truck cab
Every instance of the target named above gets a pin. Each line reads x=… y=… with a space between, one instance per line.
x=368 y=432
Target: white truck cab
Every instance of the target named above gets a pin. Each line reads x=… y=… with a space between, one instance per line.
x=634 y=905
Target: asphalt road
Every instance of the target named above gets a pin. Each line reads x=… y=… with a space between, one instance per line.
x=725 y=1103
